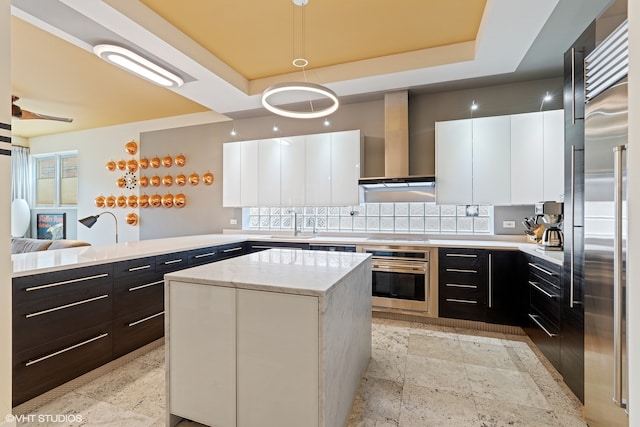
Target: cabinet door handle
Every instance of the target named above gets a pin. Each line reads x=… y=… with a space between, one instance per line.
x=573 y=86
x=62 y=307
x=146 y=285
x=534 y=317
x=232 y=249
x=490 y=282
x=462 y=255
x=458 y=285
x=466 y=301
x=173 y=261
x=547 y=272
x=573 y=216
x=142 y=267
x=457 y=270
x=535 y=285
x=205 y=255
x=66 y=282
x=137 y=322
x=64 y=350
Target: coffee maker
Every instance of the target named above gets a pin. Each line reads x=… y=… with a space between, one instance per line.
x=552 y=215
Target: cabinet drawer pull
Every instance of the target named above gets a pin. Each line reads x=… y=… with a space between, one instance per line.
x=458 y=285
x=466 y=301
x=232 y=249
x=550 y=273
x=534 y=317
x=205 y=255
x=462 y=255
x=142 y=267
x=274 y=247
x=173 y=261
x=535 y=285
x=64 y=350
x=62 y=307
x=457 y=270
x=146 y=285
x=145 y=319
x=66 y=282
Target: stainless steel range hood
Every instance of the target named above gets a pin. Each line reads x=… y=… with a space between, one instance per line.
x=397 y=185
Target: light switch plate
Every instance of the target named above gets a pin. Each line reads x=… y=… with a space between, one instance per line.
x=234 y=221
x=508 y=224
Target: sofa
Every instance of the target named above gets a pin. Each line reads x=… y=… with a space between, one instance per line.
x=20 y=245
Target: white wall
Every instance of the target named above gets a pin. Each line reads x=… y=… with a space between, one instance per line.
x=5 y=219
x=95 y=148
x=633 y=188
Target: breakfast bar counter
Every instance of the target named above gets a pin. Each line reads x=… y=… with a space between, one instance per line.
x=274 y=338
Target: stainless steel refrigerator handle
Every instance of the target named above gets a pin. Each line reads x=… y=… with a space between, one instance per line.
x=573 y=86
x=617 y=278
x=490 y=282
x=573 y=214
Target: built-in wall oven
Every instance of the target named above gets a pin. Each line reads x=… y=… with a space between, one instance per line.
x=400 y=277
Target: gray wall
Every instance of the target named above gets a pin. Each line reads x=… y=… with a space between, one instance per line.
x=426 y=109
x=202 y=147
x=510 y=213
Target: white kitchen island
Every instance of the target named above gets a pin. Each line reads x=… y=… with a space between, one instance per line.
x=275 y=338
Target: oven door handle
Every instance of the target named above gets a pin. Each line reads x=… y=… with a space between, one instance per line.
x=399 y=268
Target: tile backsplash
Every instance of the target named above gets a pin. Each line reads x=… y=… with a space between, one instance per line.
x=419 y=218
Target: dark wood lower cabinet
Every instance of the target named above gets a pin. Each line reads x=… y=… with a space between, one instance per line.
x=69 y=322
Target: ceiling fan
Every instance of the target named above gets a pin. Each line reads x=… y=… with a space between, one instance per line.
x=18 y=112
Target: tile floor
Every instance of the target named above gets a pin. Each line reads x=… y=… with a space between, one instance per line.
x=419 y=375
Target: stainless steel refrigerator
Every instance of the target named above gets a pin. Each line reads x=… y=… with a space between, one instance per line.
x=605 y=241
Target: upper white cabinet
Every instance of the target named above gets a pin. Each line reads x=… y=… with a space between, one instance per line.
x=526 y=158
x=307 y=170
x=492 y=160
x=345 y=167
x=553 y=188
x=454 y=162
x=292 y=171
x=318 y=173
x=516 y=159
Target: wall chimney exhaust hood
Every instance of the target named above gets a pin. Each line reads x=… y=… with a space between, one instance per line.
x=397 y=185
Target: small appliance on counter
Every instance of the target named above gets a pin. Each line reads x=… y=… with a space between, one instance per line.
x=552 y=238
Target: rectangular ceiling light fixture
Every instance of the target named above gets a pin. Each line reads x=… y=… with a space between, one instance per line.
x=138 y=65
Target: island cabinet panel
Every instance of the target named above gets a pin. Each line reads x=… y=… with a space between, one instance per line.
x=277 y=359
x=203 y=382
x=61 y=327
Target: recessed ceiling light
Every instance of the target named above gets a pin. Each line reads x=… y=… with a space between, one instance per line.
x=138 y=65
x=326 y=122
x=233 y=132
x=275 y=127
x=474 y=106
x=547 y=97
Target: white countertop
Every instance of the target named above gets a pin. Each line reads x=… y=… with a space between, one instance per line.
x=46 y=261
x=276 y=270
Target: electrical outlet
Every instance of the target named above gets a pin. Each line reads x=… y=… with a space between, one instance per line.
x=234 y=221
x=508 y=224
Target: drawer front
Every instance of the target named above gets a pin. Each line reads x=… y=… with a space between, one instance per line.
x=59 y=319
x=202 y=256
x=134 y=271
x=544 y=305
x=461 y=291
x=137 y=329
x=461 y=308
x=474 y=259
x=459 y=276
x=545 y=336
x=231 y=250
x=263 y=246
x=545 y=270
x=43 y=291
x=42 y=368
x=172 y=262
x=129 y=298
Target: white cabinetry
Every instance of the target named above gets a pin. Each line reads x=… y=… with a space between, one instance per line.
x=277 y=359
x=307 y=170
x=553 y=155
x=269 y=182
x=292 y=171
x=501 y=160
x=491 y=160
x=206 y=315
x=318 y=173
x=526 y=158
x=454 y=162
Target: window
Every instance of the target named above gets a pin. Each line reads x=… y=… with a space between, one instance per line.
x=56 y=179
